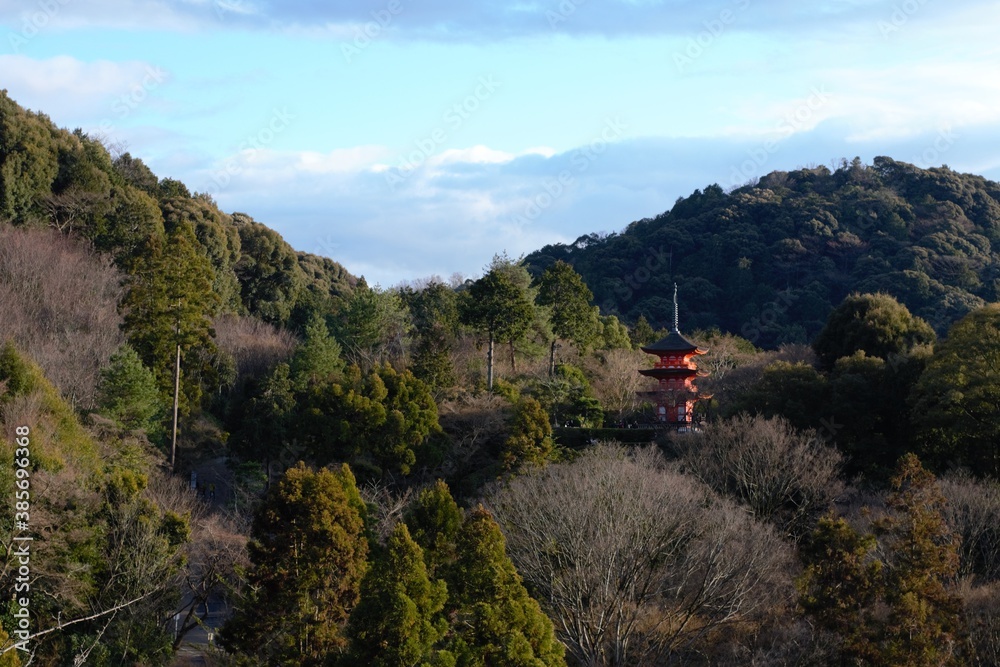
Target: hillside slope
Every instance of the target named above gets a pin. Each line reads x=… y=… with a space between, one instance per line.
x=770 y=261
x=50 y=177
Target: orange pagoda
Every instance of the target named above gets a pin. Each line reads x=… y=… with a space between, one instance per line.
x=675 y=371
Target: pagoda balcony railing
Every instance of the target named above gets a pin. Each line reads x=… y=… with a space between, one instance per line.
x=681 y=366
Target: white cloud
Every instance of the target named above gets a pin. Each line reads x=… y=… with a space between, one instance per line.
x=86 y=91
x=905 y=101
x=342 y=160
x=474 y=155
x=454 y=216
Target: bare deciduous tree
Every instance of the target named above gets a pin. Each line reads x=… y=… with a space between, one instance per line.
x=973 y=512
x=475 y=424
x=385 y=507
x=71 y=207
x=59 y=301
x=634 y=561
x=618 y=382
x=213 y=572
x=982 y=608
x=256 y=346
x=783 y=476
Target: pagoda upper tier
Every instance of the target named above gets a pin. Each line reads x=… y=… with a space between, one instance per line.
x=676 y=354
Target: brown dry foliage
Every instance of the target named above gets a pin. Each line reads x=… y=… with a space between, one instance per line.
x=616 y=381
x=973 y=511
x=784 y=476
x=385 y=507
x=477 y=425
x=256 y=346
x=215 y=566
x=59 y=300
x=982 y=610
x=635 y=562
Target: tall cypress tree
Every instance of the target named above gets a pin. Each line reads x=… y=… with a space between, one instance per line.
x=398 y=618
x=925 y=624
x=128 y=393
x=530 y=442
x=308 y=552
x=498 y=623
x=170 y=302
x=318 y=358
x=435 y=520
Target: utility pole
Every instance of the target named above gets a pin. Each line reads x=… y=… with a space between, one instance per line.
x=177 y=392
x=489 y=364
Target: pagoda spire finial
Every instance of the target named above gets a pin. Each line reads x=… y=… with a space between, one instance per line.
x=676 y=317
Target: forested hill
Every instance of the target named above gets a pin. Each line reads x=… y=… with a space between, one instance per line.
x=50 y=177
x=770 y=261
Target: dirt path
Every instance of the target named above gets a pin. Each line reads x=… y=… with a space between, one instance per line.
x=213 y=482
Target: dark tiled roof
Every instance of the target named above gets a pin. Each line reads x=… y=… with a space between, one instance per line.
x=673 y=342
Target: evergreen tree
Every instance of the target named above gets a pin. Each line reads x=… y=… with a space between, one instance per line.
x=16 y=378
x=383 y=418
x=890 y=606
x=841 y=585
x=218 y=240
x=132 y=220
x=411 y=418
x=642 y=333
x=127 y=393
x=264 y=427
x=956 y=401
x=568 y=398
x=28 y=161
x=373 y=325
x=434 y=313
x=497 y=622
x=318 y=358
x=797 y=392
x=860 y=406
x=498 y=307
x=308 y=552
x=530 y=442
x=925 y=624
x=269 y=275
x=398 y=618
x=875 y=323
x=612 y=334
x=432 y=357
x=170 y=302
x=435 y=520
x=568 y=298
x=434 y=305
x=9 y=658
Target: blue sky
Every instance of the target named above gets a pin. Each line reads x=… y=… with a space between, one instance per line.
x=410 y=138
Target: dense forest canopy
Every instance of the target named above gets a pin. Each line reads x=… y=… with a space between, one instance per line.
x=768 y=261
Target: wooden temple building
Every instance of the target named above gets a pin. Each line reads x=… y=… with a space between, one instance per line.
x=675 y=372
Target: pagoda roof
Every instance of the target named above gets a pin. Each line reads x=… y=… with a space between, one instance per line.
x=673 y=342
